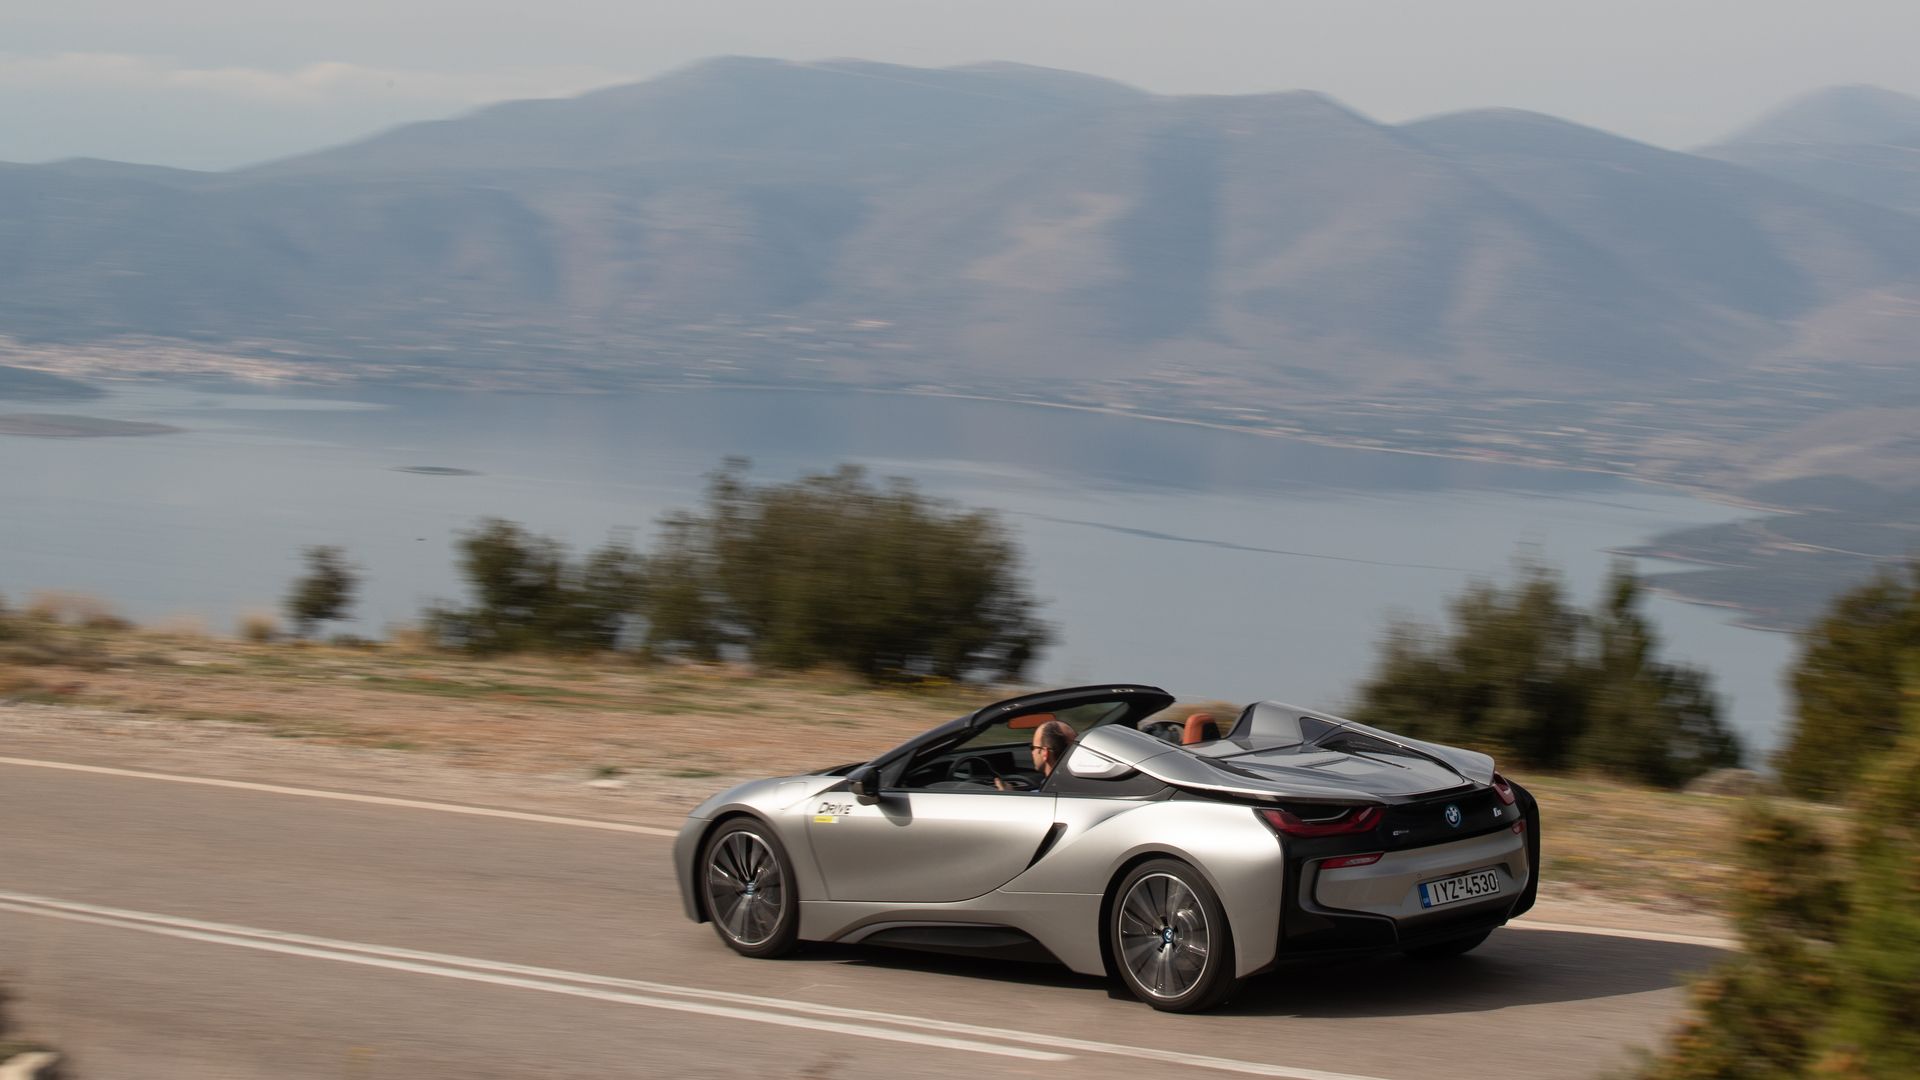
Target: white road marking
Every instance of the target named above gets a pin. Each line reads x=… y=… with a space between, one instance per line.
x=342 y=796
x=1729 y=944
x=477 y=971
x=635 y=991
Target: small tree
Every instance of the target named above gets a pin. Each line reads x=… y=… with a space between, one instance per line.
x=1523 y=674
x=1827 y=984
x=1761 y=1015
x=833 y=569
x=1876 y=1023
x=326 y=591
x=1846 y=685
x=530 y=594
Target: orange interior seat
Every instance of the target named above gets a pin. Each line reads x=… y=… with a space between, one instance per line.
x=1200 y=728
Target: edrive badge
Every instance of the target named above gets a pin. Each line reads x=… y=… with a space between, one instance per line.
x=1453 y=816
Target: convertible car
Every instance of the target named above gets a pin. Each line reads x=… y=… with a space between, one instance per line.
x=1173 y=855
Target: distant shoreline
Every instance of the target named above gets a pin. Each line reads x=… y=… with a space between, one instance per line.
x=61 y=426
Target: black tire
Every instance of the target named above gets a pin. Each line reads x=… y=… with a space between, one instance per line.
x=1169 y=938
x=746 y=883
x=1447 y=950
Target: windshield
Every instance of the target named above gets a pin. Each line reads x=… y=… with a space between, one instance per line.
x=1082 y=718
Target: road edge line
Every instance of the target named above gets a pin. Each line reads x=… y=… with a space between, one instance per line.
x=344 y=796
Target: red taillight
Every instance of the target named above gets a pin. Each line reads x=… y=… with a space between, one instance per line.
x=1355 y=819
x=1503 y=789
x=1520 y=826
x=1352 y=860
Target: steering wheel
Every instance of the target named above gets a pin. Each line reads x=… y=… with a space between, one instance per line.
x=967 y=770
x=1170 y=730
x=1014 y=781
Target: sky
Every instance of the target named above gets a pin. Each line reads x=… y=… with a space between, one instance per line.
x=214 y=84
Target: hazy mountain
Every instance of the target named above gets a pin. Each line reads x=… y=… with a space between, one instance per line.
x=870 y=221
x=740 y=116
x=1837 y=115
x=1859 y=141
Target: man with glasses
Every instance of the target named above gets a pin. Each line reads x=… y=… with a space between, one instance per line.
x=1050 y=743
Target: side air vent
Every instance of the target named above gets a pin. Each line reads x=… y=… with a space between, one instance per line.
x=1047 y=841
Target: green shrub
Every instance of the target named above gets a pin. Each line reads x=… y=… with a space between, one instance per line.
x=1527 y=677
x=325 y=592
x=834 y=570
x=1847 y=684
x=1759 y=1017
x=1828 y=980
x=1875 y=1030
x=530 y=594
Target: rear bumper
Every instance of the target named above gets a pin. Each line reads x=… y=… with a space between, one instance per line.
x=1377 y=908
x=1391 y=887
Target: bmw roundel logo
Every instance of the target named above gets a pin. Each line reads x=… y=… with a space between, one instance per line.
x=1453 y=816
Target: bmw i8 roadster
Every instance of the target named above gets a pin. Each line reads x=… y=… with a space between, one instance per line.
x=1180 y=858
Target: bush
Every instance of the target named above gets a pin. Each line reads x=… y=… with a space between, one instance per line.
x=1527 y=677
x=1828 y=983
x=37 y=638
x=1875 y=1030
x=62 y=607
x=259 y=627
x=1760 y=1016
x=832 y=570
x=1847 y=685
x=530 y=594
x=324 y=593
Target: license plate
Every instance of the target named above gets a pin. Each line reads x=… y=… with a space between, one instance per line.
x=1455 y=889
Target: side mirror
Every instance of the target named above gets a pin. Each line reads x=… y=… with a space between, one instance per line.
x=864 y=783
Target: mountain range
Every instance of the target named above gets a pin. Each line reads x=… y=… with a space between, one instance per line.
x=867 y=222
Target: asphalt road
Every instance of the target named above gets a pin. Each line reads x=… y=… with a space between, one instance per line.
x=161 y=930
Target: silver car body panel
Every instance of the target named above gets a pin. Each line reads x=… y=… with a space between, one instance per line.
x=1058 y=900
x=1043 y=863
x=925 y=846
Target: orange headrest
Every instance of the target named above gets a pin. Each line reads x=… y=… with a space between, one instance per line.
x=1200 y=728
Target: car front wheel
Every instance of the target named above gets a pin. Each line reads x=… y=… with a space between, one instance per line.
x=748 y=886
x=1169 y=938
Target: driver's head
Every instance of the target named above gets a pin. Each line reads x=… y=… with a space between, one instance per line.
x=1050 y=742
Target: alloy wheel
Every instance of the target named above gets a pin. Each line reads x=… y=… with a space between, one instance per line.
x=745 y=891
x=1163 y=935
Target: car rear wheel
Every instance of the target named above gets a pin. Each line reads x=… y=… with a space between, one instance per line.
x=1169 y=937
x=1445 y=950
x=748 y=886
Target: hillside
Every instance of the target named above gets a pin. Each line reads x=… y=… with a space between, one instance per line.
x=862 y=222
x=1862 y=142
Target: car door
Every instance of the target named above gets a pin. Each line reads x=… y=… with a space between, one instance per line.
x=913 y=845
x=925 y=846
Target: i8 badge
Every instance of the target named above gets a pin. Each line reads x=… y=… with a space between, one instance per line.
x=1453 y=816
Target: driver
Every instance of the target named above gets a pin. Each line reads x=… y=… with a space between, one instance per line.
x=1050 y=743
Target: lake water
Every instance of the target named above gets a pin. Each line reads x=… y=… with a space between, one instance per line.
x=1217 y=564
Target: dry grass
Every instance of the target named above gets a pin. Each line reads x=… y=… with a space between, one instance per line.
x=184 y=627
x=258 y=627
x=518 y=713
x=65 y=607
x=1658 y=847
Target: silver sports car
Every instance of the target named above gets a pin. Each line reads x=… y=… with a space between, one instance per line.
x=1177 y=857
